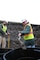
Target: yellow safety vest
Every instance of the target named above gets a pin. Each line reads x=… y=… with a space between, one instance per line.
x=4 y=28
x=30 y=35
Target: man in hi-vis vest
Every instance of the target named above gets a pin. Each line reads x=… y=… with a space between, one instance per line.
x=27 y=34
x=3 y=32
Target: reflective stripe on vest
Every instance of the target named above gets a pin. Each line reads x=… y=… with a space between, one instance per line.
x=4 y=28
x=30 y=35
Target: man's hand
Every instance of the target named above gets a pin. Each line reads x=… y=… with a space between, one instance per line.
x=8 y=33
x=5 y=33
x=19 y=34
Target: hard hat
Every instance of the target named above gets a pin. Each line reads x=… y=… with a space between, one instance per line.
x=4 y=22
x=24 y=21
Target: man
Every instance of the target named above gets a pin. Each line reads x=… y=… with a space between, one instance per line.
x=3 y=32
x=27 y=34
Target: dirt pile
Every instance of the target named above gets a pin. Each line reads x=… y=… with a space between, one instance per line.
x=13 y=28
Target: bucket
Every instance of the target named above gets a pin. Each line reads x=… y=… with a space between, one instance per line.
x=20 y=54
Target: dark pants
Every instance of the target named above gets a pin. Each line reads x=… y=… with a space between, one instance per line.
x=29 y=43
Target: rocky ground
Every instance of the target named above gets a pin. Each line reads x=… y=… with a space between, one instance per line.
x=13 y=28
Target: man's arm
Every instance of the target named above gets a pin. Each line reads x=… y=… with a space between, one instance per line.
x=26 y=30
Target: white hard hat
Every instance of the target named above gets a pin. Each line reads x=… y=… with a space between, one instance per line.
x=24 y=21
x=4 y=22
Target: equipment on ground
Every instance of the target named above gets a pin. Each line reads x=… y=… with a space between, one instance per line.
x=21 y=42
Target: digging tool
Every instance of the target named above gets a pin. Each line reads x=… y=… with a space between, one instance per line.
x=8 y=40
x=21 y=43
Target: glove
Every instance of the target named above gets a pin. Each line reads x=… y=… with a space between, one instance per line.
x=19 y=34
x=5 y=33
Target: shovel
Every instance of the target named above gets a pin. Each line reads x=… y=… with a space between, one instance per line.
x=8 y=40
x=21 y=43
